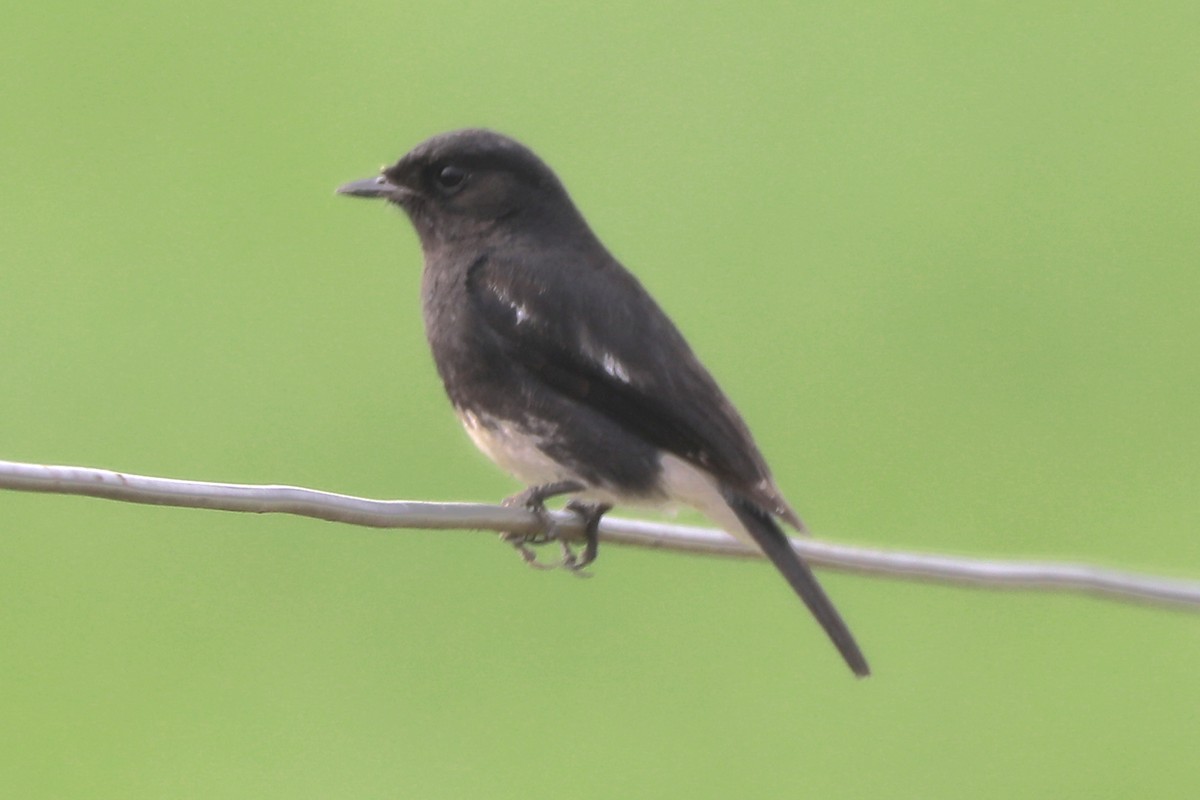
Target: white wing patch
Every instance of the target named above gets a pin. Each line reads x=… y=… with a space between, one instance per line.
x=614 y=367
x=605 y=359
x=520 y=311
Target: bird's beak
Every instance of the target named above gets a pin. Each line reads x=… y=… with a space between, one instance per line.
x=378 y=186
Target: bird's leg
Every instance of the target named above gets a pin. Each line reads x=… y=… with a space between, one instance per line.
x=534 y=498
x=589 y=514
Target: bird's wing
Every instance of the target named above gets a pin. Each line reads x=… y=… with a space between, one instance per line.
x=591 y=332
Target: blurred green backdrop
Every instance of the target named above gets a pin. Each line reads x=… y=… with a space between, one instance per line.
x=943 y=256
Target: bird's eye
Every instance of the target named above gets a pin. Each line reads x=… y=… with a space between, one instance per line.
x=450 y=179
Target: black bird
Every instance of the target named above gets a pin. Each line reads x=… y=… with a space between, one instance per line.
x=560 y=365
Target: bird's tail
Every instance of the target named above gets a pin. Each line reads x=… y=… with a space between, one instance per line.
x=761 y=526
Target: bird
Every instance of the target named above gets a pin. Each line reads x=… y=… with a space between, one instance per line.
x=564 y=370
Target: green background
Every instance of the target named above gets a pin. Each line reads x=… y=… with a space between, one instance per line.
x=944 y=256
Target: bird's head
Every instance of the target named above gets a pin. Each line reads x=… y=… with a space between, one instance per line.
x=466 y=183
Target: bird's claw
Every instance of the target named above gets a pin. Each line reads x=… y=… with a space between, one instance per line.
x=521 y=543
x=534 y=499
x=589 y=514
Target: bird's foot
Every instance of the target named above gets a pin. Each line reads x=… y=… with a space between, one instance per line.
x=534 y=499
x=589 y=514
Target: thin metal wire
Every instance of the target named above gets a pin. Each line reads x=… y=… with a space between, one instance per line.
x=270 y=499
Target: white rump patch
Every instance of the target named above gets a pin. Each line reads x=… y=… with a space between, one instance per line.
x=684 y=483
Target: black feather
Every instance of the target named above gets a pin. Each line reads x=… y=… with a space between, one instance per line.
x=561 y=314
x=772 y=541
